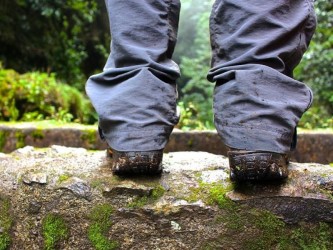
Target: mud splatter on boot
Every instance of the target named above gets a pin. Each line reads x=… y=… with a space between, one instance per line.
x=257 y=166
x=136 y=163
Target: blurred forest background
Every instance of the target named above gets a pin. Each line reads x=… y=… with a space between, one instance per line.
x=49 y=48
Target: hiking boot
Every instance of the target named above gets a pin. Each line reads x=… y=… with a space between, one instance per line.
x=136 y=163
x=257 y=165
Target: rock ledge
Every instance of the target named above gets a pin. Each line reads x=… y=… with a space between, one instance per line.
x=192 y=205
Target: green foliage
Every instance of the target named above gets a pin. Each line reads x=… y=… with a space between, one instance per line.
x=188 y=118
x=5 y=223
x=100 y=224
x=70 y=38
x=89 y=136
x=196 y=91
x=316 y=69
x=37 y=134
x=317 y=117
x=38 y=96
x=54 y=231
x=190 y=14
x=20 y=139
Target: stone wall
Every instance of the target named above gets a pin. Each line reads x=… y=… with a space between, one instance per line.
x=312 y=147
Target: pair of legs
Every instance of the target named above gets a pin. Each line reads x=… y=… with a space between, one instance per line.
x=256 y=44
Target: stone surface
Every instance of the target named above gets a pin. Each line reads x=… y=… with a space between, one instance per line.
x=78 y=187
x=313 y=146
x=184 y=208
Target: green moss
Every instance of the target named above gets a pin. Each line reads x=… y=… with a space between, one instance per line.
x=100 y=224
x=98 y=239
x=4 y=241
x=255 y=229
x=316 y=237
x=64 y=177
x=99 y=182
x=3 y=139
x=211 y=194
x=190 y=143
x=101 y=213
x=327 y=192
x=271 y=228
x=259 y=229
x=138 y=202
x=20 y=138
x=96 y=183
x=89 y=135
x=37 y=134
x=55 y=230
x=215 y=194
x=5 y=223
x=157 y=192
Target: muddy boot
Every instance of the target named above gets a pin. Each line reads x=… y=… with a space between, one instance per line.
x=257 y=166
x=136 y=163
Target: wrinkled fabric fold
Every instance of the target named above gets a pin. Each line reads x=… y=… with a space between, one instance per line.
x=256 y=45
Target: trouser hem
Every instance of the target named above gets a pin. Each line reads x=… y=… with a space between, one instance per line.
x=138 y=140
x=256 y=139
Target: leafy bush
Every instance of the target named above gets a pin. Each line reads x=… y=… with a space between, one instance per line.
x=70 y=38
x=190 y=117
x=316 y=117
x=197 y=93
x=316 y=70
x=38 y=96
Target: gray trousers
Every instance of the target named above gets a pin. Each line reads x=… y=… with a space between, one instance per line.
x=256 y=44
